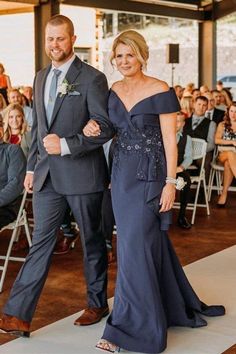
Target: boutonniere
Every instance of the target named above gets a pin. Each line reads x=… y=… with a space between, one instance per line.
x=65 y=88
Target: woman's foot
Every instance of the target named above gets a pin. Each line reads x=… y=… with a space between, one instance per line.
x=103 y=344
x=222 y=200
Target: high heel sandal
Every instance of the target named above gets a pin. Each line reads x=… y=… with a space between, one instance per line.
x=103 y=344
x=221 y=205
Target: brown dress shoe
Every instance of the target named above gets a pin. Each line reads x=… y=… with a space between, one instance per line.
x=65 y=244
x=91 y=315
x=13 y=325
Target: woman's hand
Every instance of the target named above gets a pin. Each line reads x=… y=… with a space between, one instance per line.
x=92 y=128
x=167 y=197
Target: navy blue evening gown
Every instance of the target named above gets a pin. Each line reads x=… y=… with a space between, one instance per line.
x=152 y=291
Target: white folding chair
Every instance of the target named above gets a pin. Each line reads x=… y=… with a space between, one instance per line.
x=199 y=147
x=21 y=220
x=216 y=172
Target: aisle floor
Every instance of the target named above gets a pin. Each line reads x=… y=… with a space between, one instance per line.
x=214 y=280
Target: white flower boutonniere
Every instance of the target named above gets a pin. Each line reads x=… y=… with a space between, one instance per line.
x=65 y=88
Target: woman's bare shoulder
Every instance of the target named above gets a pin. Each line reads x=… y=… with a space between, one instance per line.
x=116 y=85
x=221 y=124
x=157 y=85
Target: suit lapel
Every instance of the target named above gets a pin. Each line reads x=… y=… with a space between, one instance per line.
x=41 y=90
x=71 y=77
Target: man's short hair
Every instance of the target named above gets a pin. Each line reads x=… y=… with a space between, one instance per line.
x=58 y=20
x=203 y=98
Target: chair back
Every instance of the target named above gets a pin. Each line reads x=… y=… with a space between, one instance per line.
x=199 y=147
x=21 y=220
x=18 y=221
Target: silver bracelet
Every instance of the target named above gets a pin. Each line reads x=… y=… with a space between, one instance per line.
x=179 y=182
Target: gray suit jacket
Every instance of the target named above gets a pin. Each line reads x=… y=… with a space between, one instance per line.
x=84 y=171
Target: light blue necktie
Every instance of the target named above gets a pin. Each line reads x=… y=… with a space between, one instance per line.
x=52 y=94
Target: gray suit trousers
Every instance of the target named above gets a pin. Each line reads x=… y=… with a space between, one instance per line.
x=49 y=210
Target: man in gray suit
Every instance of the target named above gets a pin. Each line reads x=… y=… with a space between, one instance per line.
x=64 y=167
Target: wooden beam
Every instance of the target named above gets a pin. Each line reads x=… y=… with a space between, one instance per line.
x=223 y=8
x=207 y=53
x=29 y=2
x=17 y=10
x=187 y=2
x=139 y=7
x=220 y=9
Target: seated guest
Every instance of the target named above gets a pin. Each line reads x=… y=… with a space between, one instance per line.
x=15 y=128
x=186 y=104
x=226 y=136
x=28 y=93
x=188 y=89
x=179 y=91
x=14 y=96
x=196 y=93
x=12 y=173
x=212 y=113
x=226 y=97
x=204 y=89
x=217 y=98
x=219 y=85
x=3 y=104
x=5 y=82
x=198 y=126
x=184 y=161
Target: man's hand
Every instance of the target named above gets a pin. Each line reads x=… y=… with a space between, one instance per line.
x=52 y=144
x=28 y=182
x=92 y=128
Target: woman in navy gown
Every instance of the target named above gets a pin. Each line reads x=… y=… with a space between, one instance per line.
x=152 y=291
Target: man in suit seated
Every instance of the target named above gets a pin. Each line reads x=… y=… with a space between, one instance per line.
x=184 y=161
x=217 y=97
x=198 y=126
x=12 y=173
x=212 y=113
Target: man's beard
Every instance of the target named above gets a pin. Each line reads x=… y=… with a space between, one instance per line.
x=60 y=58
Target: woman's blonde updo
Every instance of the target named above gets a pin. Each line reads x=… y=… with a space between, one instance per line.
x=136 y=42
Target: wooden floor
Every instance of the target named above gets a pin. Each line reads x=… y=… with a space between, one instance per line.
x=65 y=293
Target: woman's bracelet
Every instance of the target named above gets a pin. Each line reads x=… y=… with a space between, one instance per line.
x=179 y=182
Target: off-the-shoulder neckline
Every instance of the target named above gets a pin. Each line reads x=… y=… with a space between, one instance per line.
x=142 y=100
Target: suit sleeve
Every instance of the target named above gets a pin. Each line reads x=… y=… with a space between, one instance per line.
x=97 y=97
x=33 y=150
x=15 y=175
